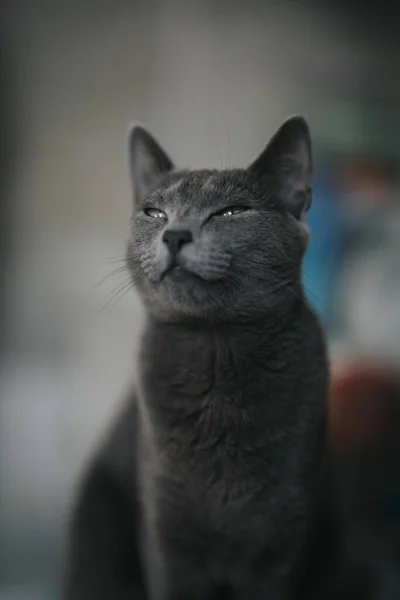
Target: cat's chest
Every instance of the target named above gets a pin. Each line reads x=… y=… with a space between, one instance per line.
x=227 y=514
x=216 y=404
x=191 y=369
x=219 y=462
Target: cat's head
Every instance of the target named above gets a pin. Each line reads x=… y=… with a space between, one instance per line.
x=220 y=245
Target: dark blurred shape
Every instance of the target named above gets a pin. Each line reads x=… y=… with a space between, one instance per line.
x=365 y=436
x=7 y=164
x=363 y=395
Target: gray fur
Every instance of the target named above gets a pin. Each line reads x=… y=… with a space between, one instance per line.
x=220 y=459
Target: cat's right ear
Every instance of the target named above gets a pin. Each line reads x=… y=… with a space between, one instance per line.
x=147 y=162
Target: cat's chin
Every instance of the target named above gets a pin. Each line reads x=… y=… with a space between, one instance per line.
x=197 y=273
x=182 y=292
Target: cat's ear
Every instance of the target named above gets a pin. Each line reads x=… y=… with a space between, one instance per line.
x=285 y=166
x=147 y=162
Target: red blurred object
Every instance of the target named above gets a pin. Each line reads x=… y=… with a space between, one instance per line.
x=366 y=180
x=360 y=405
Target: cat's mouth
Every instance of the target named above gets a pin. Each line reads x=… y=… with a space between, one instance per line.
x=178 y=272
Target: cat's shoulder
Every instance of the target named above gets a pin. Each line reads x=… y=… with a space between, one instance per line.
x=116 y=452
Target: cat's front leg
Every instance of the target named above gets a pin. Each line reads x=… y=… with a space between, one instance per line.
x=171 y=577
x=190 y=587
x=179 y=584
x=264 y=590
x=274 y=576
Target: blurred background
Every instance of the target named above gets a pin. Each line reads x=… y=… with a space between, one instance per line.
x=212 y=79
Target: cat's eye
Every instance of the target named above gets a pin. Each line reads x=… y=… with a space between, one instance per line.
x=155 y=213
x=230 y=211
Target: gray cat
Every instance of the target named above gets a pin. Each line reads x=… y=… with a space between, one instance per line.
x=211 y=482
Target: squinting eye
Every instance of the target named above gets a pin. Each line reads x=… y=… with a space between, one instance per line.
x=231 y=211
x=156 y=213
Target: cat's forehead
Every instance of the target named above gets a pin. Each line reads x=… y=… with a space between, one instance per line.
x=204 y=186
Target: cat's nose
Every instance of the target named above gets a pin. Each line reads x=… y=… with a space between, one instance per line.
x=176 y=238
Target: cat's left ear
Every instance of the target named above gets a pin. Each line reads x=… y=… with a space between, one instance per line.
x=148 y=162
x=285 y=166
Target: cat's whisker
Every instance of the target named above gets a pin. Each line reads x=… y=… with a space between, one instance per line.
x=121 y=294
x=109 y=275
x=318 y=300
x=121 y=283
x=221 y=262
x=114 y=295
x=228 y=138
x=112 y=260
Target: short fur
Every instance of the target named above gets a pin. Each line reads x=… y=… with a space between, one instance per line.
x=211 y=483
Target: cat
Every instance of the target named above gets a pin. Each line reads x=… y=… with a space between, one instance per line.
x=211 y=481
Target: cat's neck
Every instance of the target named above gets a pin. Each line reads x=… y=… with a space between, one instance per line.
x=201 y=385
x=182 y=359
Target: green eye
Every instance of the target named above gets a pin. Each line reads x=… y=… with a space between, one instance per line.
x=155 y=213
x=230 y=211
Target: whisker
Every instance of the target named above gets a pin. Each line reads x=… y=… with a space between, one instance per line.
x=118 y=294
x=314 y=280
x=121 y=294
x=109 y=260
x=310 y=277
x=112 y=274
x=117 y=286
x=319 y=301
x=229 y=139
x=116 y=260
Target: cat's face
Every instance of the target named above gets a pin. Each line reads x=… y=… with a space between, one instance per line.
x=220 y=245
